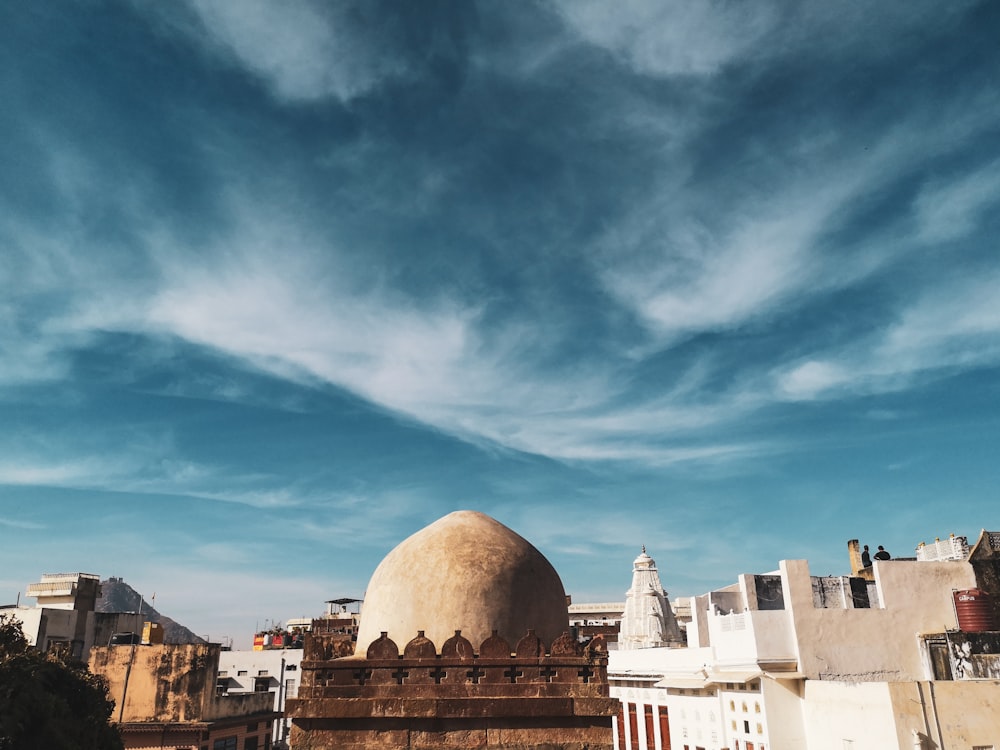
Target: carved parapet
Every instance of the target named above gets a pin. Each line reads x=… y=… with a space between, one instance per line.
x=564 y=679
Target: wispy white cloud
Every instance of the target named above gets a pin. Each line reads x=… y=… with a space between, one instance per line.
x=71 y=473
x=147 y=467
x=671 y=38
x=951 y=327
x=684 y=275
x=14 y=523
x=664 y=38
x=275 y=286
x=303 y=50
x=947 y=210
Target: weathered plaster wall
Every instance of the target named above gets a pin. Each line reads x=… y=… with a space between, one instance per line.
x=165 y=683
x=878 y=643
x=951 y=714
x=173 y=682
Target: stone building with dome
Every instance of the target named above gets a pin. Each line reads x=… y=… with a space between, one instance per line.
x=463 y=643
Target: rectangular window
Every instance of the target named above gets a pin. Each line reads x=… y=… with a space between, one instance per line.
x=746 y=727
x=261 y=684
x=241 y=673
x=262 y=673
x=664 y=727
x=225 y=743
x=291 y=668
x=250 y=743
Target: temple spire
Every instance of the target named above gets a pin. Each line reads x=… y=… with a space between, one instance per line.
x=648 y=621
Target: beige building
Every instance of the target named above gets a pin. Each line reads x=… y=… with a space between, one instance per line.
x=790 y=661
x=166 y=698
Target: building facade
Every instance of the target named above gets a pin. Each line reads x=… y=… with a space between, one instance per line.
x=166 y=698
x=786 y=660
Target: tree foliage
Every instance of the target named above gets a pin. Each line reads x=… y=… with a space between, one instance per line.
x=50 y=701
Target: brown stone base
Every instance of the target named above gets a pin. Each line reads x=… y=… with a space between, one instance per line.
x=573 y=733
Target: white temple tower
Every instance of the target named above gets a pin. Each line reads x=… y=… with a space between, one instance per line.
x=648 y=621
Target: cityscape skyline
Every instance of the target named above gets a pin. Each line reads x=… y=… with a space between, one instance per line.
x=281 y=286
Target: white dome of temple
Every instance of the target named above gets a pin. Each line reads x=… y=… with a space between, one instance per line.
x=648 y=621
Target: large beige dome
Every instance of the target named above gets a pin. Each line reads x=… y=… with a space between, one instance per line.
x=465 y=572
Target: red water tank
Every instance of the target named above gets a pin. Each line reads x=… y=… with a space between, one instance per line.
x=974 y=608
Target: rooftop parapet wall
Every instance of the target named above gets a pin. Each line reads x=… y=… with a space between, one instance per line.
x=457 y=679
x=759 y=636
x=493 y=670
x=877 y=643
x=528 y=696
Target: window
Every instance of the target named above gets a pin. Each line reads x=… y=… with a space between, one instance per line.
x=760 y=728
x=732 y=705
x=756 y=707
x=733 y=724
x=746 y=727
x=241 y=673
x=225 y=743
x=252 y=727
x=223 y=673
x=262 y=673
x=291 y=668
x=261 y=684
x=250 y=743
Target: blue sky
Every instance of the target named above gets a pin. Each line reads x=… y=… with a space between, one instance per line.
x=284 y=282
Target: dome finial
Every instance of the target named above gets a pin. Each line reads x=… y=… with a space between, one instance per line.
x=644 y=549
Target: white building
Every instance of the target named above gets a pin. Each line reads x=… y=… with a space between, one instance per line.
x=274 y=671
x=273 y=666
x=786 y=660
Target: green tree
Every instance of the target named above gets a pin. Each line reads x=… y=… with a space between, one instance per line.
x=50 y=701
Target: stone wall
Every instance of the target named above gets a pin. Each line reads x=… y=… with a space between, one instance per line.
x=458 y=696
